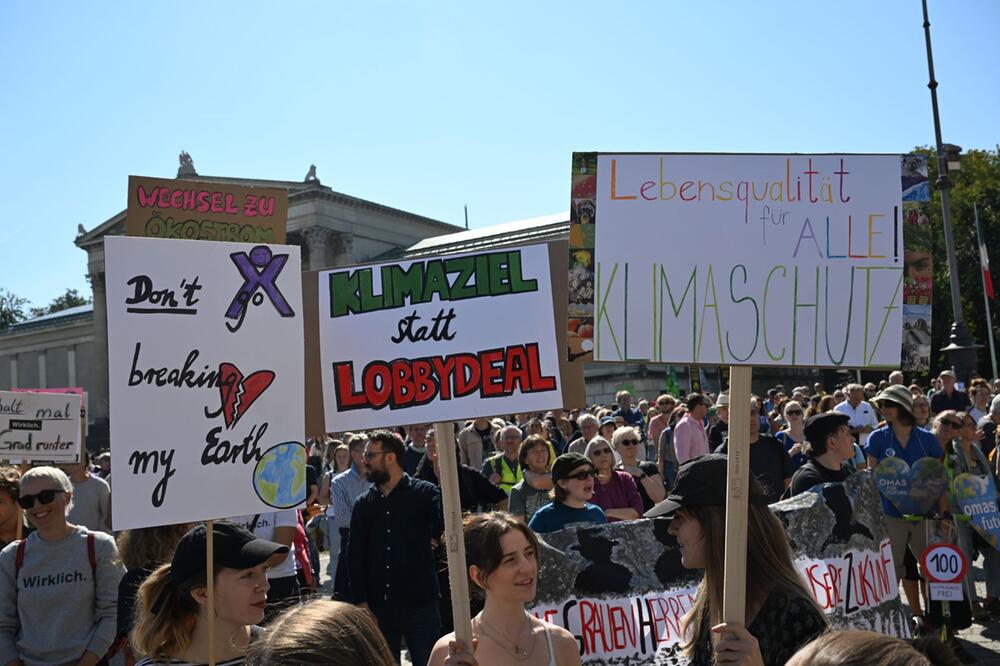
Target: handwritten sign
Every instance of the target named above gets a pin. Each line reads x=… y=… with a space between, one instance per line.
x=201 y=210
x=76 y=390
x=438 y=339
x=789 y=260
x=206 y=379
x=40 y=427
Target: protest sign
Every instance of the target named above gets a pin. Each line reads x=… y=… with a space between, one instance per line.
x=976 y=497
x=785 y=260
x=40 y=427
x=202 y=210
x=912 y=489
x=206 y=379
x=438 y=339
x=918 y=264
x=621 y=590
x=76 y=390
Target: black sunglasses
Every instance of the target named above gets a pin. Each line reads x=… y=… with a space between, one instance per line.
x=630 y=442
x=44 y=497
x=583 y=476
x=793 y=412
x=951 y=424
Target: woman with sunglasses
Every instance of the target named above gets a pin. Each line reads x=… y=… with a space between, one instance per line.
x=793 y=435
x=645 y=474
x=573 y=487
x=58 y=586
x=963 y=456
x=615 y=491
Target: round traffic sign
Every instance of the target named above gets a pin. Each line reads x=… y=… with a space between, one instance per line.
x=944 y=563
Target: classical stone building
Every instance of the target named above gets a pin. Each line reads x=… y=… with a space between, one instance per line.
x=70 y=348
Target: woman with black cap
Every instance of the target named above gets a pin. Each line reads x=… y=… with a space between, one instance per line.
x=573 y=477
x=171 y=624
x=781 y=615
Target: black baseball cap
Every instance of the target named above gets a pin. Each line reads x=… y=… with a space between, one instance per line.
x=234 y=547
x=566 y=463
x=701 y=481
x=820 y=426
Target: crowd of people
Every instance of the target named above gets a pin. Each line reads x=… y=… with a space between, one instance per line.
x=74 y=592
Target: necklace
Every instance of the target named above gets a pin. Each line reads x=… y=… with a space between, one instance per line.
x=501 y=639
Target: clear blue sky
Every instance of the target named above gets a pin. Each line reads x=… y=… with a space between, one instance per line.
x=427 y=106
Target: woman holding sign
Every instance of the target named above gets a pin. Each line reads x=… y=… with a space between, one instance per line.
x=502 y=554
x=965 y=457
x=781 y=614
x=171 y=624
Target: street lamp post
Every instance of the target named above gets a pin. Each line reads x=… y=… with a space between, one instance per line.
x=962 y=351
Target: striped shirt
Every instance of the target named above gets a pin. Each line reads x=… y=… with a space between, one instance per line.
x=344 y=489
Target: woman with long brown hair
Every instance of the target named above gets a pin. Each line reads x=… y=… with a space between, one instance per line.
x=502 y=555
x=781 y=615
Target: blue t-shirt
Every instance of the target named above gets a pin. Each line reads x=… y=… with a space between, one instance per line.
x=882 y=443
x=555 y=516
x=799 y=459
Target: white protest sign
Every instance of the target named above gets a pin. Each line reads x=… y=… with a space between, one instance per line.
x=788 y=260
x=438 y=339
x=206 y=379
x=40 y=427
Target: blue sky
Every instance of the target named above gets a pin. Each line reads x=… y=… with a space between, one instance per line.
x=429 y=106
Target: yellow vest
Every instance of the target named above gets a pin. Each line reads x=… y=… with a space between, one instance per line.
x=508 y=477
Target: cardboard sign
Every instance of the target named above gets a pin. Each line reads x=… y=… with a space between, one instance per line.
x=206 y=379
x=201 y=210
x=40 y=427
x=621 y=590
x=76 y=390
x=913 y=490
x=784 y=260
x=976 y=497
x=438 y=339
x=944 y=563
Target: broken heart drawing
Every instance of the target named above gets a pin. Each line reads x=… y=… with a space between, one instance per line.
x=238 y=392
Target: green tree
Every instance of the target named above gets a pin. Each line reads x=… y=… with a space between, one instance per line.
x=12 y=309
x=977 y=181
x=70 y=299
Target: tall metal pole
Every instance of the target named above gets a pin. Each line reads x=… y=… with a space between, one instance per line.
x=962 y=350
x=986 y=299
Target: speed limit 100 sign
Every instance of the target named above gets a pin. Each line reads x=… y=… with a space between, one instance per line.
x=944 y=563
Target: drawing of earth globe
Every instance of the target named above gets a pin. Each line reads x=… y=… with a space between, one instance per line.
x=280 y=476
x=892 y=472
x=966 y=486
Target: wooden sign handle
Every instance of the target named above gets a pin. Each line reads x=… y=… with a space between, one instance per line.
x=734 y=600
x=454 y=538
x=210 y=578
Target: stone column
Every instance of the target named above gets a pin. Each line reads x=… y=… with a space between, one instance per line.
x=316 y=240
x=99 y=401
x=345 y=250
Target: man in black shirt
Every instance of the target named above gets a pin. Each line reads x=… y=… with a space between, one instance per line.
x=829 y=444
x=393 y=528
x=769 y=463
x=949 y=397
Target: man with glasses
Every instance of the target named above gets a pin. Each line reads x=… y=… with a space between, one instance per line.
x=504 y=470
x=394 y=526
x=344 y=489
x=589 y=426
x=690 y=438
x=769 y=463
x=665 y=405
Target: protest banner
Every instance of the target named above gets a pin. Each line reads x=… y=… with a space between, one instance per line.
x=204 y=210
x=69 y=389
x=206 y=379
x=438 y=339
x=918 y=264
x=40 y=427
x=772 y=259
x=913 y=489
x=976 y=497
x=622 y=591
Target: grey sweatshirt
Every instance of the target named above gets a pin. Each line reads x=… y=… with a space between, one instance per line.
x=92 y=504
x=55 y=611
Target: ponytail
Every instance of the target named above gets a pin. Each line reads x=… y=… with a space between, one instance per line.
x=165 y=633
